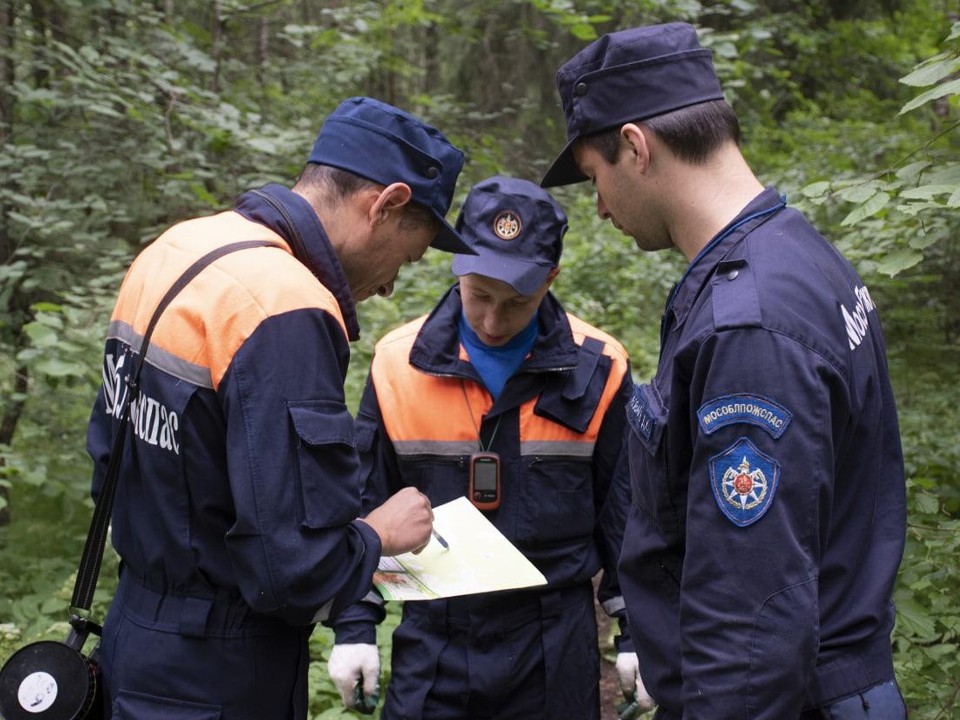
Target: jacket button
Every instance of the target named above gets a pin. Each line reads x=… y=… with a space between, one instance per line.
x=580 y=90
x=732 y=275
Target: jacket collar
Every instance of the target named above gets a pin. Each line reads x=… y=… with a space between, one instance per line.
x=436 y=349
x=685 y=293
x=292 y=217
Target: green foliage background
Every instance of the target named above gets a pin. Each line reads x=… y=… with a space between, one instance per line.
x=119 y=117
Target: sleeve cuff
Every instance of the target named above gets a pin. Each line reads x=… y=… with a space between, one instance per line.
x=355 y=632
x=370 y=538
x=623 y=642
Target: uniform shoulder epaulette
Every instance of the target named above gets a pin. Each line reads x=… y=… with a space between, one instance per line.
x=735 y=296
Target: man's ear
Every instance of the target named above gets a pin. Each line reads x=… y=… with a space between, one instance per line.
x=392 y=198
x=636 y=144
x=552 y=275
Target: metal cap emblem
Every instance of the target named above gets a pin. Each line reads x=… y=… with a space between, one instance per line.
x=507 y=225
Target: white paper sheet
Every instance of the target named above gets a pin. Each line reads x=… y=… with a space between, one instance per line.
x=479 y=559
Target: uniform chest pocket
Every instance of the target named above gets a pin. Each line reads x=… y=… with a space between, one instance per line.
x=649 y=476
x=328 y=467
x=442 y=479
x=557 y=501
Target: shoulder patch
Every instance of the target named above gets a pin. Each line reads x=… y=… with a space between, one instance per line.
x=744 y=481
x=741 y=408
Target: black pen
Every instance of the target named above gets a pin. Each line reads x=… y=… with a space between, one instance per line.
x=440 y=539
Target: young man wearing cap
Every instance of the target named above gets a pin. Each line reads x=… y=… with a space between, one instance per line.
x=237 y=498
x=499 y=368
x=768 y=514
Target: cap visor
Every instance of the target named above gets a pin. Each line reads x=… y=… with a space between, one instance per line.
x=564 y=170
x=449 y=240
x=524 y=276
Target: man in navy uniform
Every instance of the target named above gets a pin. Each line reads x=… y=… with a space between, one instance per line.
x=500 y=368
x=768 y=514
x=239 y=488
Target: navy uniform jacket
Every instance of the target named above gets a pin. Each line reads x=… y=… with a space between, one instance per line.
x=558 y=426
x=240 y=482
x=768 y=515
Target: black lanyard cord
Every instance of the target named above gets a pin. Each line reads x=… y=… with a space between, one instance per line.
x=476 y=427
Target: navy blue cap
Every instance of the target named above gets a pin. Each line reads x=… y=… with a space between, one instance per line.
x=385 y=144
x=516 y=230
x=628 y=76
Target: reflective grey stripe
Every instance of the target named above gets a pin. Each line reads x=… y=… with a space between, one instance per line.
x=557 y=447
x=445 y=448
x=323 y=613
x=160 y=358
x=455 y=448
x=614 y=605
x=373 y=598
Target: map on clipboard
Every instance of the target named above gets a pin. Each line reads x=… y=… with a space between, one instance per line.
x=479 y=559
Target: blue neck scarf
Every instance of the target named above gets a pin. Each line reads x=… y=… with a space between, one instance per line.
x=496 y=365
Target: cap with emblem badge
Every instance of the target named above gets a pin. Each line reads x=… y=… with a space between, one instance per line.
x=628 y=76
x=386 y=144
x=516 y=230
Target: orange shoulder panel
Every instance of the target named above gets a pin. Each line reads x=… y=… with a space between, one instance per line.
x=612 y=347
x=534 y=428
x=220 y=308
x=417 y=406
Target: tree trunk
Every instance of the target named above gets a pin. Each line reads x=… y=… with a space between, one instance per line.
x=38 y=18
x=7 y=106
x=8 y=425
x=263 y=46
x=431 y=59
x=7 y=76
x=215 y=45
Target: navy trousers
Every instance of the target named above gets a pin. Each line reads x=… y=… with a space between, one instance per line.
x=525 y=655
x=170 y=657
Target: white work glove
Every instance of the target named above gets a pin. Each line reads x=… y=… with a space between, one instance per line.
x=355 y=670
x=631 y=684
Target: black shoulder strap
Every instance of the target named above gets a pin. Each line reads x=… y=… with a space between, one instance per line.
x=89 y=570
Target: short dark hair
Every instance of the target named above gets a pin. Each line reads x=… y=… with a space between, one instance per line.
x=692 y=133
x=416 y=215
x=343 y=183
x=339 y=183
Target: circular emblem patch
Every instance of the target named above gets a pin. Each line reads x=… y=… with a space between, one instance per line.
x=743 y=488
x=507 y=225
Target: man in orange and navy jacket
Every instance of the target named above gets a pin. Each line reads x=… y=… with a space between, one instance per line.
x=500 y=368
x=239 y=487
